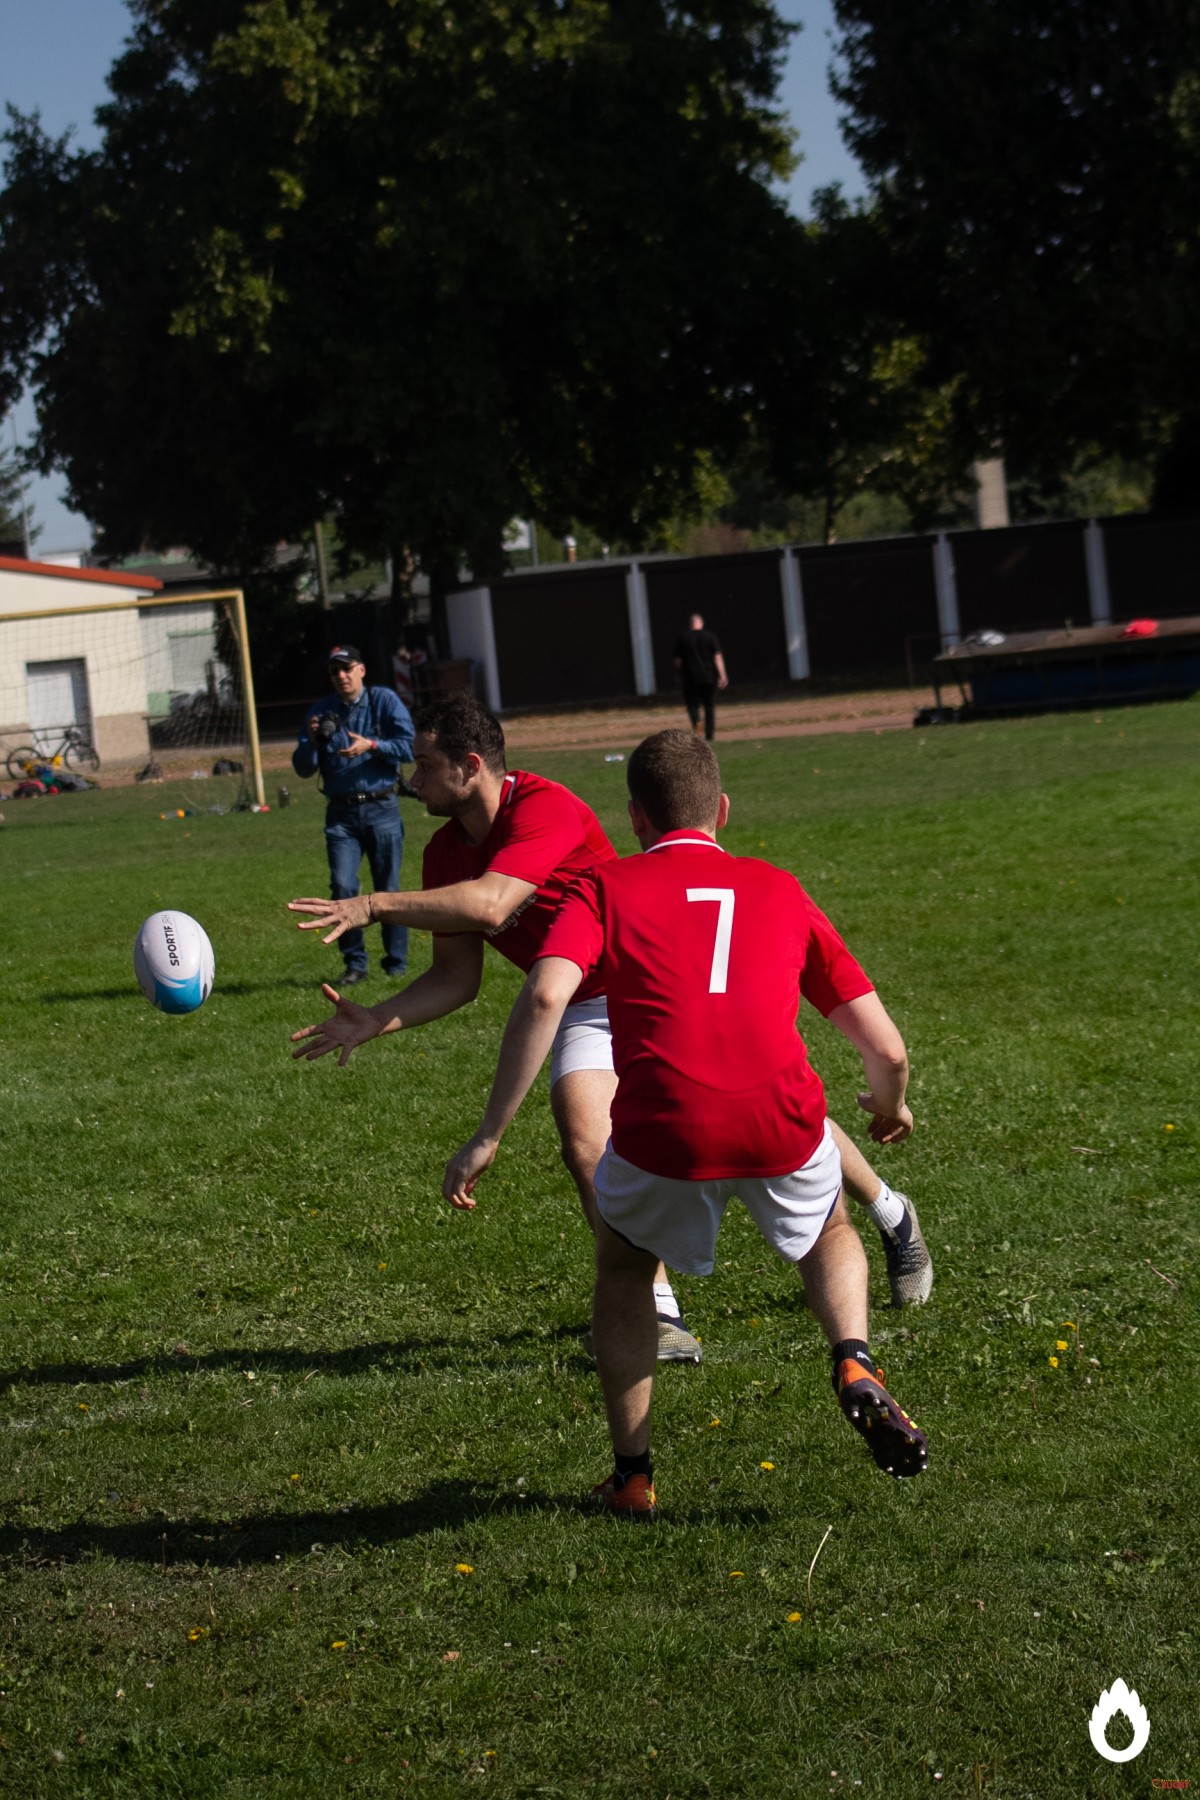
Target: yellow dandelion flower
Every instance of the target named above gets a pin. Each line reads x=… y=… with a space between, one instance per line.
x=1168 y=1128
x=489 y=1753
x=338 y=1644
x=293 y=1478
x=1068 y=1325
x=84 y=1407
x=713 y=1423
x=1060 y=1343
x=1054 y=1362
x=465 y=1568
x=383 y=1265
x=794 y=1618
x=766 y=1465
x=736 y=1574
x=196 y=1633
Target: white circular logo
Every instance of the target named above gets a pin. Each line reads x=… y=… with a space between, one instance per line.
x=1119 y=1699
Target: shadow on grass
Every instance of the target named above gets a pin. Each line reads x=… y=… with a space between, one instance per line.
x=257 y=1538
x=310 y=984
x=405 y=1356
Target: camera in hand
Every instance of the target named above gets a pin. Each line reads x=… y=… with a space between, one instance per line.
x=327 y=727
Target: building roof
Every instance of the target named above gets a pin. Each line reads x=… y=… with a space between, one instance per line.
x=17 y=565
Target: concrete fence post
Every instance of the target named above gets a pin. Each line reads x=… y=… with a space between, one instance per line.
x=473 y=637
x=795 y=630
x=946 y=588
x=1096 y=562
x=639 y=630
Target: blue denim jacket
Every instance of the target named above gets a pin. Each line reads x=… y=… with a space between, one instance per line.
x=377 y=713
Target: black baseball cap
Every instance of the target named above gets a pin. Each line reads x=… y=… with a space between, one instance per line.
x=345 y=654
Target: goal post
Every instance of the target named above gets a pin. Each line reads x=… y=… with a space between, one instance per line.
x=159 y=688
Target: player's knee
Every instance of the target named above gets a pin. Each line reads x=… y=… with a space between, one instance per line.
x=580 y=1154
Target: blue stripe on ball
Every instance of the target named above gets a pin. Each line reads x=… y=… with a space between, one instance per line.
x=183 y=998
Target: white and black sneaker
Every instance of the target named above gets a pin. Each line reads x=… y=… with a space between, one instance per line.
x=909 y=1264
x=675 y=1341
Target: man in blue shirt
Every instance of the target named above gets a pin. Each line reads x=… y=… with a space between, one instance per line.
x=357 y=737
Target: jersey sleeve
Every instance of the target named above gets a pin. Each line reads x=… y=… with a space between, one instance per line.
x=830 y=975
x=541 y=830
x=577 y=930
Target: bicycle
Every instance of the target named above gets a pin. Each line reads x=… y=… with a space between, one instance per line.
x=74 y=747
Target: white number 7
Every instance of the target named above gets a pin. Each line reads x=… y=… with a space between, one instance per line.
x=718 y=978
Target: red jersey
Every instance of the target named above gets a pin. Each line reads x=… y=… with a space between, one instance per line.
x=704 y=957
x=542 y=833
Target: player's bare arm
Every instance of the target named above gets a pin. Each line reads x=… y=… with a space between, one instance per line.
x=451 y=982
x=549 y=989
x=868 y=1025
x=480 y=905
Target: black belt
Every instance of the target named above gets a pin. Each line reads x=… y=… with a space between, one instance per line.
x=360 y=799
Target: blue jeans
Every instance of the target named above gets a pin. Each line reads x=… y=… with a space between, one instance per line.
x=374 y=830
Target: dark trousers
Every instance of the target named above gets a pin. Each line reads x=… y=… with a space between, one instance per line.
x=374 y=830
x=696 y=699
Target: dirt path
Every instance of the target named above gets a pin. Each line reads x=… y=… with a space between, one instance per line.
x=620 y=728
x=804 y=716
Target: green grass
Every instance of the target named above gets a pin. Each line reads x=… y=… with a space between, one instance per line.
x=262 y=1391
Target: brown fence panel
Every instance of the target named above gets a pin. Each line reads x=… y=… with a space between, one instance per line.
x=562 y=637
x=863 y=601
x=1153 y=566
x=1022 y=578
x=741 y=601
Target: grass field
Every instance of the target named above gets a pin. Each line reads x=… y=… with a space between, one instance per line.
x=290 y=1499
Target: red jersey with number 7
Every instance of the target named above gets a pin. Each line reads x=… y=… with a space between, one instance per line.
x=704 y=958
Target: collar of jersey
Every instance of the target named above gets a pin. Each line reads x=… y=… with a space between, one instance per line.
x=674 y=839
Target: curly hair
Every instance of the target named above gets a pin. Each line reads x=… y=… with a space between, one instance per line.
x=462 y=725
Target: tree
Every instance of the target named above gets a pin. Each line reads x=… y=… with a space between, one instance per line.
x=1036 y=175
x=13 y=517
x=419 y=268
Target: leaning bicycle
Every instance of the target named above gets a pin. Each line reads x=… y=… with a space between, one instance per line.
x=73 y=747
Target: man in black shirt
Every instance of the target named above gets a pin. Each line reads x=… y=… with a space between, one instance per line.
x=699 y=659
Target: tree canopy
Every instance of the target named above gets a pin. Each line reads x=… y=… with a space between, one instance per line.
x=1035 y=169
x=421 y=267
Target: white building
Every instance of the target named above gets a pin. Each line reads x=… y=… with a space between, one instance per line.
x=74 y=650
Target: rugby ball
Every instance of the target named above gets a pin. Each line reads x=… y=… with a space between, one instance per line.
x=174 y=962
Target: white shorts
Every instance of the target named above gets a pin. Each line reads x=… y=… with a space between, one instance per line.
x=583 y=1040
x=677 y=1221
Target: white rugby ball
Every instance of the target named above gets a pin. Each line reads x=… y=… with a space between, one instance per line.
x=174 y=962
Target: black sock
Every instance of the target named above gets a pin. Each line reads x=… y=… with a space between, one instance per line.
x=853 y=1348
x=903 y=1231
x=625 y=1466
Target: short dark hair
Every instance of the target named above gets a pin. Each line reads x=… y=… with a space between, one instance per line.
x=463 y=726
x=676 y=779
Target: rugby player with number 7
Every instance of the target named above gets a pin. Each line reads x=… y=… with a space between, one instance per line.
x=704 y=957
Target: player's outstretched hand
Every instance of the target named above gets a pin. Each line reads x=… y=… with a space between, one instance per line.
x=886 y=1128
x=464 y=1169
x=347 y=1027
x=333 y=917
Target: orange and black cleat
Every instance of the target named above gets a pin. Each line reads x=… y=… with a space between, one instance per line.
x=898 y=1446
x=631 y=1498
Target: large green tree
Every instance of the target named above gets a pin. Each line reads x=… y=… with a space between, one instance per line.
x=1035 y=168
x=13 y=519
x=416 y=266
